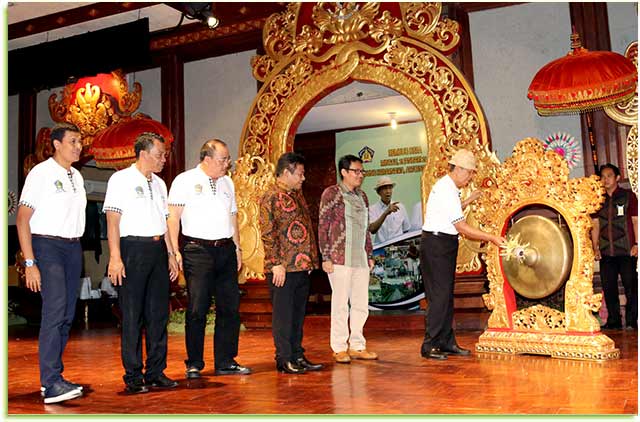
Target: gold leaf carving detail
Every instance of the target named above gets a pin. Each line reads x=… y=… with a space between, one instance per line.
x=632 y=157
x=260 y=175
x=345 y=21
x=538 y=318
x=422 y=21
x=90 y=112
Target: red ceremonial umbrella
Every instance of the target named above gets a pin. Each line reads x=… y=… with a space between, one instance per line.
x=113 y=147
x=582 y=81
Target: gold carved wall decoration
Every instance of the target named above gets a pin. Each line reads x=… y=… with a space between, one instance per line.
x=315 y=48
x=91 y=111
x=626 y=113
x=95 y=103
x=535 y=177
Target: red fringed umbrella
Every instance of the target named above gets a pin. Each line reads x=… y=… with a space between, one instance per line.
x=113 y=146
x=582 y=81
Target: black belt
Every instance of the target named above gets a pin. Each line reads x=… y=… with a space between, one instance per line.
x=441 y=234
x=66 y=239
x=145 y=238
x=206 y=242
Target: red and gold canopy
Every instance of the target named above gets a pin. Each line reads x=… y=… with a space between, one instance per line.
x=583 y=80
x=113 y=147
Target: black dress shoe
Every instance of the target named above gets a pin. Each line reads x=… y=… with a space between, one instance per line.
x=455 y=350
x=192 y=373
x=433 y=353
x=290 y=368
x=162 y=381
x=234 y=369
x=612 y=326
x=136 y=387
x=308 y=366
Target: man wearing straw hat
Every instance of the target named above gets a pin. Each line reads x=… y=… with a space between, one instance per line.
x=443 y=221
x=388 y=219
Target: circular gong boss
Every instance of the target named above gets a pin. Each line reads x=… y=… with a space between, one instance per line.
x=543 y=262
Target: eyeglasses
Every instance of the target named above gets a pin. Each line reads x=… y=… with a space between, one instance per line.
x=223 y=159
x=358 y=171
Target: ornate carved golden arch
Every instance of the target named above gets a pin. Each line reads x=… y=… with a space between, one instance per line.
x=315 y=48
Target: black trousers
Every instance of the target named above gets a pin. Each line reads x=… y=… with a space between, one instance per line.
x=438 y=254
x=144 y=301
x=626 y=267
x=289 y=306
x=211 y=271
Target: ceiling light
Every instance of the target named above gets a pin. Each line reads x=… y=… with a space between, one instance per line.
x=201 y=12
x=392 y=121
x=212 y=22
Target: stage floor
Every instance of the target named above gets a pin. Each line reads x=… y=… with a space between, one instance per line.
x=400 y=382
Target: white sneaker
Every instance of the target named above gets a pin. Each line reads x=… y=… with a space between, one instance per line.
x=72 y=384
x=60 y=391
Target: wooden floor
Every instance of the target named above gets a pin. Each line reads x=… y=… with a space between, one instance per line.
x=400 y=382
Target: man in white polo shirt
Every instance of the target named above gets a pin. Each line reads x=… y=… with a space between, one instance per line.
x=141 y=262
x=203 y=199
x=50 y=222
x=388 y=219
x=443 y=221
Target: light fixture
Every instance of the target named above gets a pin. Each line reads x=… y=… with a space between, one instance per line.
x=392 y=120
x=201 y=12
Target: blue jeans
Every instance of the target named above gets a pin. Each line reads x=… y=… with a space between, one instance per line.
x=60 y=264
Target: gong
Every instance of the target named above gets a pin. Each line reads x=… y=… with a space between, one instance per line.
x=538 y=258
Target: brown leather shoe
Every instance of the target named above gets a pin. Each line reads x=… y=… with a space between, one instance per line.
x=342 y=357
x=363 y=354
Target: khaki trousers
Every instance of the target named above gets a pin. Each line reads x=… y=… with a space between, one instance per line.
x=349 y=307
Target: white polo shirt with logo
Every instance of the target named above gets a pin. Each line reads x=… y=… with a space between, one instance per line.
x=208 y=204
x=141 y=202
x=58 y=200
x=444 y=208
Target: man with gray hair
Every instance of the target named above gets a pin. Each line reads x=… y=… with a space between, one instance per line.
x=203 y=199
x=443 y=221
x=141 y=263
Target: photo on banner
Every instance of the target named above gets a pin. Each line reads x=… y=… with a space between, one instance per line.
x=398 y=154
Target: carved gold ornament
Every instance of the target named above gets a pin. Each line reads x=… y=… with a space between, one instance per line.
x=313 y=49
x=626 y=113
x=535 y=177
x=92 y=107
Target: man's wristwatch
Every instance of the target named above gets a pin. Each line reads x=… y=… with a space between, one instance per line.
x=29 y=262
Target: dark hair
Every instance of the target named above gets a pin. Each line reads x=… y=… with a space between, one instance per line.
x=209 y=148
x=613 y=168
x=288 y=161
x=344 y=163
x=144 y=142
x=60 y=129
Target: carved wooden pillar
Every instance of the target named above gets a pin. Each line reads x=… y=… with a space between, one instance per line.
x=27 y=102
x=603 y=139
x=172 y=83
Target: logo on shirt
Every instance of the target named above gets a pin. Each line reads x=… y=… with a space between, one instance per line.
x=366 y=154
x=139 y=192
x=58 y=185
x=198 y=189
x=226 y=195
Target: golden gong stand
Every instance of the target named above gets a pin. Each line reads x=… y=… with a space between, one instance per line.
x=542 y=257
